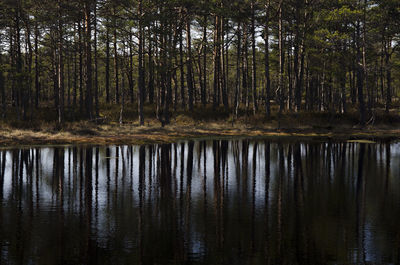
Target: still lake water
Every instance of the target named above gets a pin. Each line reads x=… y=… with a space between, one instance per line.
x=201 y=202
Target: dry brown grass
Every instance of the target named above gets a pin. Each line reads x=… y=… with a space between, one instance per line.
x=204 y=122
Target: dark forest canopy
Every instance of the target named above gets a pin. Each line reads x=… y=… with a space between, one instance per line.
x=296 y=55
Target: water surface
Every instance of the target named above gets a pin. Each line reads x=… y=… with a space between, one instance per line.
x=202 y=202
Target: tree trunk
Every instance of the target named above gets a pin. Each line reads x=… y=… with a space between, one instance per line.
x=80 y=68
x=360 y=78
x=151 y=71
x=2 y=92
x=182 y=72
x=217 y=61
x=266 y=66
x=60 y=68
x=141 y=71
x=237 y=86
x=88 y=54
x=203 y=92
x=37 y=88
x=245 y=68
x=107 y=70
x=96 y=77
x=281 y=61
x=116 y=61
x=388 y=77
x=189 y=67
x=253 y=62
x=223 y=69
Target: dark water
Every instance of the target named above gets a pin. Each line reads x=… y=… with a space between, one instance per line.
x=212 y=202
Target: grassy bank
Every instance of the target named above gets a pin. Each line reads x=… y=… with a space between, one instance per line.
x=200 y=124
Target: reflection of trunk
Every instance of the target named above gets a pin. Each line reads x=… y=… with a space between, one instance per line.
x=217 y=190
x=279 y=204
x=266 y=203
x=108 y=170
x=360 y=208
x=97 y=186
x=116 y=171
x=182 y=164
x=299 y=206
x=2 y=170
x=142 y=153
x=88 y=202
x=253 y=198
x=189 y=171
x=387 y=174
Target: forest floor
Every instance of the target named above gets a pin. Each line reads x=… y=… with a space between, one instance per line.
x=315 y=126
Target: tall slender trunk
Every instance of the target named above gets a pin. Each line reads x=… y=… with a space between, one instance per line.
x=29 y=57
x=298 y=56
x=189 y=75
x=96 y=77
x=141 y=71
x=74 y=59
x=168 y=63
x=364 y=58
x=80 y=66
x=281 y=61
x=151 y=70
x=2 y=92
x=68 y=80
x=266 y=64
x=181 y=66
x=88 y=55
x=203 y=92
x=253 y=61
x=116 y=74
x=37 y=88
x=60 y=67
x=343 y=89
x=237 y=86
x=223 y=76
x=360 y=77
x=19 y=88
x=289 y=73
x=217 y=61
x=388 y=77
x=107 y=69
x=130 y=70
x=245 y=66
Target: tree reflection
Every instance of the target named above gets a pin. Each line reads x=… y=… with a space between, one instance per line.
x=208 y=202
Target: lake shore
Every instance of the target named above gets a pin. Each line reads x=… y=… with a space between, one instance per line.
x=131 y=133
